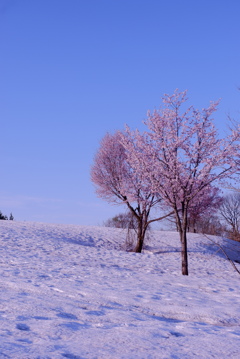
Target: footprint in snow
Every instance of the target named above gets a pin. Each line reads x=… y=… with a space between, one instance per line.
x=95 y=312
x=23 y=326
x=177 y=334
x=75 y=326
x=66 y=315
x=71 y=356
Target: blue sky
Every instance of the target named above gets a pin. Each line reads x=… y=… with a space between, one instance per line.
x=71 y=70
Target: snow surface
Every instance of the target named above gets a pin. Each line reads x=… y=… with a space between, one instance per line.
x=72 y=292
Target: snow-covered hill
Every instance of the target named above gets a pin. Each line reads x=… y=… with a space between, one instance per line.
x=72 y=292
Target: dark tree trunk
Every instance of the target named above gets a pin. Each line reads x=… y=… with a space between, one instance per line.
x=139 y=246
x=140 y=236
x=182 y=225
x=184 y=252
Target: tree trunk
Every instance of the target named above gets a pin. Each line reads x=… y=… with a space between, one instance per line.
x=140 y=237
x=182 y=225
x=183 y=234
x=139 y=246
x=184 y=253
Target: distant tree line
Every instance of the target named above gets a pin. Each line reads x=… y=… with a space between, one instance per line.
x=221 y=218
x=121 y=220
x=3 y=217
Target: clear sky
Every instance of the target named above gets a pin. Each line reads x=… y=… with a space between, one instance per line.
x=71 y=70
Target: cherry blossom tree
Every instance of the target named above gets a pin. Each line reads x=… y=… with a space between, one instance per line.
x=118 y=182
x=203 y=207
x=181 y=155
x=202 y=211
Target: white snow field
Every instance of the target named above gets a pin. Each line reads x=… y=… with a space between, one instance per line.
x=71 y=292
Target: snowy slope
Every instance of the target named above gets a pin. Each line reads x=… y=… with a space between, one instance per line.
x=72 y=292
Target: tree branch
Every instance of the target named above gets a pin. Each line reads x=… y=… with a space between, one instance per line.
x=224 y=252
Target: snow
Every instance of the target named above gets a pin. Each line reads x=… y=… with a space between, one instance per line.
x=73 y=292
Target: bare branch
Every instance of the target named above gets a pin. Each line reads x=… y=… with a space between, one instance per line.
x=224 y=252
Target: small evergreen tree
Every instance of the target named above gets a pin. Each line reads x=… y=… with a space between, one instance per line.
x=2 y=216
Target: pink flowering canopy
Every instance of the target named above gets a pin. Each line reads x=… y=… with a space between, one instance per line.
x=181 y=153
x=115 y=179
